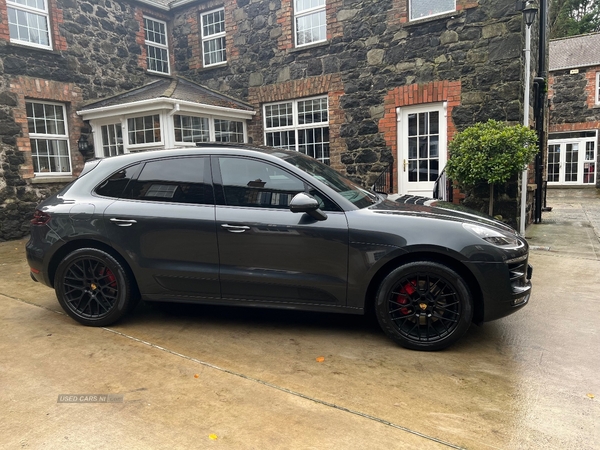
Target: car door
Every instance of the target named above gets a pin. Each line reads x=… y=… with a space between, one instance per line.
x=269 y=253
x=165 y=223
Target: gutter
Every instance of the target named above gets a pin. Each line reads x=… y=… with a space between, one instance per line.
x=175 y=109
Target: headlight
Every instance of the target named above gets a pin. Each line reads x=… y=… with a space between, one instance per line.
x=495 y=237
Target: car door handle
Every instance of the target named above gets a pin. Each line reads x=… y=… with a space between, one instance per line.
x=235 y=228
x=123 y=222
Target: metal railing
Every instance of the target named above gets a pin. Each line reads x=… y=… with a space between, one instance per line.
x=442 y=189
x=385 y=181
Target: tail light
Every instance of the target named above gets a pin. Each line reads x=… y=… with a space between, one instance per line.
x=40 y=218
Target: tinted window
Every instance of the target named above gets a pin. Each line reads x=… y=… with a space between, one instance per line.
x=247 y=182
x=115 y=185
x=181 y=180
x=336 y=181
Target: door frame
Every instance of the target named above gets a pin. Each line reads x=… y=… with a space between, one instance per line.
x=581 y=160
x=402 y=142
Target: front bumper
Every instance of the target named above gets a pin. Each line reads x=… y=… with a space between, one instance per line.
x=505 y=287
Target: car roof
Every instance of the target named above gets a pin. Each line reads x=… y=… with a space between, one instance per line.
x=212 y=148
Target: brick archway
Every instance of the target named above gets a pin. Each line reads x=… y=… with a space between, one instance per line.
x=417 y=94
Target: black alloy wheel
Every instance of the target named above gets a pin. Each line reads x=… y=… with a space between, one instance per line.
x=424 y=306
x=93 y=287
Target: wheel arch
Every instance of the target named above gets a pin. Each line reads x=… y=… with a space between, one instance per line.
x=88 y=243
x=454 y=264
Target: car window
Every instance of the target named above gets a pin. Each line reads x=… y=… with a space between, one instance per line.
x=178 y=180
x=336 y=181
x=247 y=182
x=114 y=185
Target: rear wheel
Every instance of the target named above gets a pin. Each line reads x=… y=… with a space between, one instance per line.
x=424 y=306
x=93 y=287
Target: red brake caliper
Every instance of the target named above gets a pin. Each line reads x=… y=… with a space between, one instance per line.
x=403 y=297
x=112 y=280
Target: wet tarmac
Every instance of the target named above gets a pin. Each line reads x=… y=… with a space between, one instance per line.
x=197 y=376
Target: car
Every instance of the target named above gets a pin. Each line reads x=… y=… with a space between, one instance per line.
x=236 y=224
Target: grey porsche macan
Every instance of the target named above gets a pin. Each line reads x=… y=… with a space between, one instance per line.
x=240 y=225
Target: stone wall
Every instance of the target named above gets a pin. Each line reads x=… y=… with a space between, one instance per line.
x=573 y=103
x=372 y=51
x=572 y=99
x=375 y=50
x=95 y=53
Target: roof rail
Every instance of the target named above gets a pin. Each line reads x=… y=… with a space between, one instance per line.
x=233 y=145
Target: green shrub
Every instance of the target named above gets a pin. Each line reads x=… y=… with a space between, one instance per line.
x=490 y=152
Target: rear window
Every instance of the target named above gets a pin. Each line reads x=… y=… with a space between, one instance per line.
x=177 y=180
x=115 y=185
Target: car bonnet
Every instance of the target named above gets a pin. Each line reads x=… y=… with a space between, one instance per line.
x=436 y=209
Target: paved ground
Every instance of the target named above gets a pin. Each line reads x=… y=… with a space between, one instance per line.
x=250 y=377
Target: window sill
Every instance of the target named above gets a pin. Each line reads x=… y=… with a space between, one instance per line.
x=215 y=66
x=23 y=45
x=308 y=47
x=448 y=15
x=158 y=74
x=49 y=179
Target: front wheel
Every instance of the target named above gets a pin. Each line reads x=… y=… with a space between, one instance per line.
x=424 y=306
x=93 y=287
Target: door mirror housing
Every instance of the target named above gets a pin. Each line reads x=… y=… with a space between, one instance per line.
x=304 y=203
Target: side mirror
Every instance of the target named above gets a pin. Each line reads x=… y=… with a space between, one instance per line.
x=304 y=203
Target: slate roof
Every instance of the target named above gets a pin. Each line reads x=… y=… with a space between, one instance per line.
x=176 y=88
x=576 y=51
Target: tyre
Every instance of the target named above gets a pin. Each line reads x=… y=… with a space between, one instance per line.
x=94 y=288
x=424 y=306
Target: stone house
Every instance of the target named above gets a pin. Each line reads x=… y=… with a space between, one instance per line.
x=361 y=85
x=574 y=93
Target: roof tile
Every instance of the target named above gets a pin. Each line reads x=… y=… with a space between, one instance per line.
x=576 y=51
x=176 y=88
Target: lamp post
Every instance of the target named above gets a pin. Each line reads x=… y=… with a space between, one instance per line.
x=529 y=14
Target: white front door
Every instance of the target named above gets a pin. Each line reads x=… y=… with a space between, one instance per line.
x=572 y=161
x=422 y=152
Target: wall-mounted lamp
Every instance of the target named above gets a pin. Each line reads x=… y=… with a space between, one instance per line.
x=85 y=148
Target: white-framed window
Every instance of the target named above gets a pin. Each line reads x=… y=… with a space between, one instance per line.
x=144 y=130
x=112 y=139
x=229 y=131
x=301 y=125
x=191 y=128
x=597 y=88
x=311 y=21
x=157 y=47
x=49 y=138
x=420 y=9
x=29 y=22
x=213 y=37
